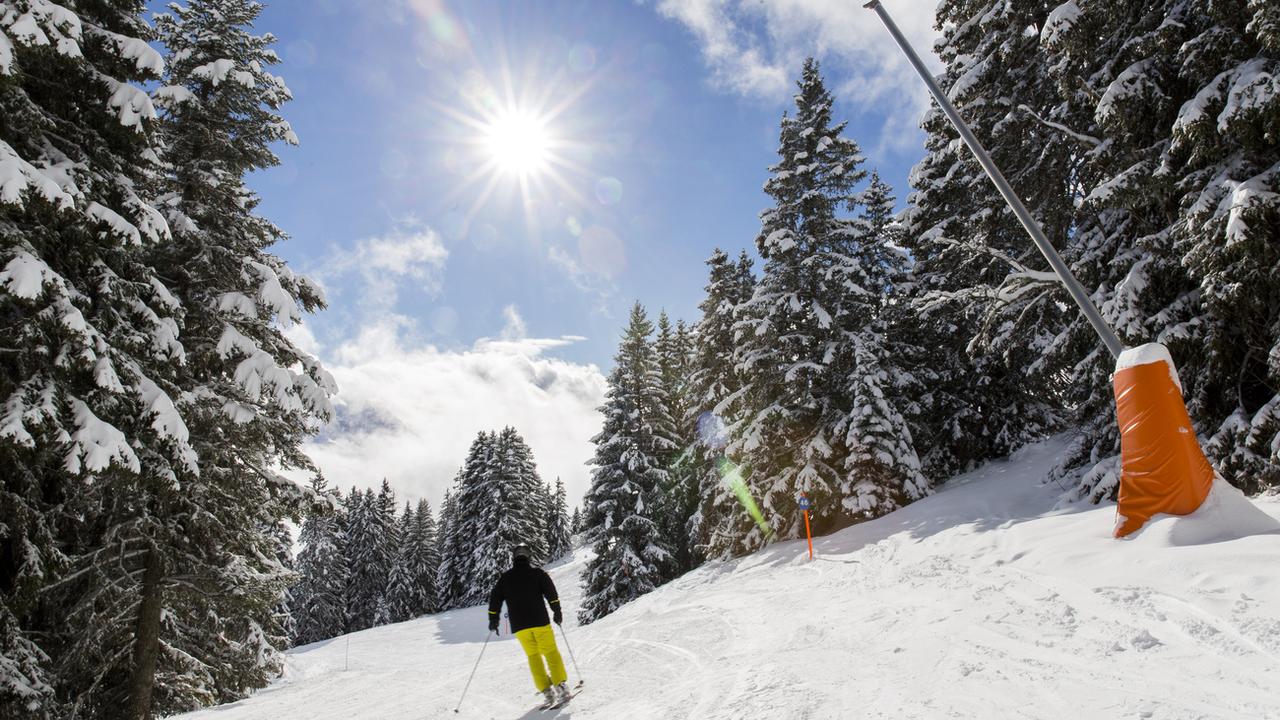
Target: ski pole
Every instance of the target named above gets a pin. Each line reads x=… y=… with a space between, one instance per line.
x=568 y=647
x=473 y=671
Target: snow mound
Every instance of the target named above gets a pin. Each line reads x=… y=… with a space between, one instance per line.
x=1226 y=514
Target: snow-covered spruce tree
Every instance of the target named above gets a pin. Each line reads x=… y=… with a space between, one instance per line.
x=448 y=572
x=679 y=497
x=559 y=539
x=575 y=523
x=427 y=564
x=626 y=481
x=368 y=564
x=282 y=627
x=389 y=541
x=509 y=508
x=405 y=595
x=1120 y=249
x=499 y=502
x=250 y=396
x=807 y=344
x=983 y=302
x=880 y=455
x=319 y=598
x=91 y=445
x=1181 y=211
x=715 y=390
x=193 y=606
x=471 y=493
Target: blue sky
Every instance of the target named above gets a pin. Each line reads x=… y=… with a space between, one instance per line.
x=455 y=309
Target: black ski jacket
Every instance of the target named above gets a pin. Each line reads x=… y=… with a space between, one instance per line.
x=523 y=588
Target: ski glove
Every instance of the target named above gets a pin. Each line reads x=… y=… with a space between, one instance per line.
x=557 y=615
x=493 y=625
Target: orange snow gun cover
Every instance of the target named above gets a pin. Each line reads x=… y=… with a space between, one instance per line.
x=1162 y=468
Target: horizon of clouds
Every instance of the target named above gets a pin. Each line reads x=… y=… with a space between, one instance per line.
x=407 y=409
x=755 y=49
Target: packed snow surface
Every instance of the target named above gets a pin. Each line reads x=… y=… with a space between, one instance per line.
x=978 y=602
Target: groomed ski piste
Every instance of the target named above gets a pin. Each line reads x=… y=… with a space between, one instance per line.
x=986 y=600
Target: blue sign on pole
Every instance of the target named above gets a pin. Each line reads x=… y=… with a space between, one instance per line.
x=804 y=503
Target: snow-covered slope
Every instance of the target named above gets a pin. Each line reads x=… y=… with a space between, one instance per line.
x=982 y=601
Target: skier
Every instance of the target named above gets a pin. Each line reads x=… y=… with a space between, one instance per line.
x=523 y=588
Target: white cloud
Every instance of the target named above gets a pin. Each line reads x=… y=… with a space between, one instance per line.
x=600 y=288
x=514 y=329
x=409 y=413
x=736 y=58
x=410 y=253
x=755 y=48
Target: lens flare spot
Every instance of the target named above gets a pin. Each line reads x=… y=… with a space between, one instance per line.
x=732 y=476
x=609 y=191
x=574 y=225
x=712 y=432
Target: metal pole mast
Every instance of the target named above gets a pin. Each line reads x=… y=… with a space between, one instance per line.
x=1032 y=227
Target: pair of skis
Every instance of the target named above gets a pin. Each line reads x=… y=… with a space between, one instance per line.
x=561 y=702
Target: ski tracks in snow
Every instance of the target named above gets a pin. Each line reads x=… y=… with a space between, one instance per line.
x=978 y=602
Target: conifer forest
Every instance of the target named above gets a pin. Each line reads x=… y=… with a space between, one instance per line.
x=170 y=535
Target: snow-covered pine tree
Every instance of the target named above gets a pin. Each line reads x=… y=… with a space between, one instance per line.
x=679 y=496
x=509 y=508
x=715 y=389
x=881 y=457
x=405 y=594
x=449 y=572
x=559 y=538
x=981 y=298
x=626 y=480
x=320 y=595
x=1179 y=210
x=804 y=331
x=283 y=627
x=472 y=494
x=575 y=523
x=367 y=564
x=427 y=565
x=250 y=397
x=499 y=502
x=389 y=542
x=1120 y=249
x=89 y=426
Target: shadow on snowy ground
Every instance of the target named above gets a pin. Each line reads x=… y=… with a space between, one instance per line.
x=1013 y=498
x=467 y=625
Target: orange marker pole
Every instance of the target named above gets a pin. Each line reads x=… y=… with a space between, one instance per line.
x=804 y=504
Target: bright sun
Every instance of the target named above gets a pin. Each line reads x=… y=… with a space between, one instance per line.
x=518 y=144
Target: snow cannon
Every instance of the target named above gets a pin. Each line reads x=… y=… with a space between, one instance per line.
x=1162 y=468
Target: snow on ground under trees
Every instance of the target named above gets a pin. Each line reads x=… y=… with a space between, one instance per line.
x=982 y=601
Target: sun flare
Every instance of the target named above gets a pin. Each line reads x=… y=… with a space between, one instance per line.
x=518 y=143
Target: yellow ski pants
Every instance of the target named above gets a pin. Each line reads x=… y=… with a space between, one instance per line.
x=539 y=643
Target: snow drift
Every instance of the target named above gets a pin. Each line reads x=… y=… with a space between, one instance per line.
x=981 y=601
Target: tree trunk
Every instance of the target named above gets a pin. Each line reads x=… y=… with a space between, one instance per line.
x=146 y=648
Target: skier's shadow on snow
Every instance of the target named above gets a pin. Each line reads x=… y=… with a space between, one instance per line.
x=561 y=713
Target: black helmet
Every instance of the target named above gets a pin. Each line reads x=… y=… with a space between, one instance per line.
x=521 y=551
